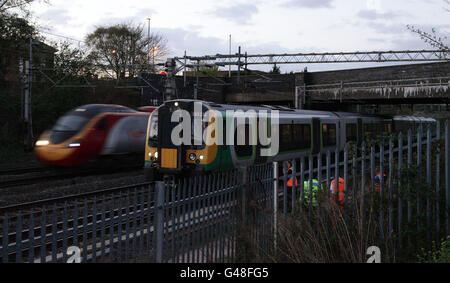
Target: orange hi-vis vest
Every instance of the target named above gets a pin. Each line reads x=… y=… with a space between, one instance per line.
x=290 y=182
x=341 y=192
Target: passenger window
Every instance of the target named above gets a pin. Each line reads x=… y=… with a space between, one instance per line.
x=351 y=133
x=286 y=137
x=243 y=150
x=329 y=135
x=301 y=137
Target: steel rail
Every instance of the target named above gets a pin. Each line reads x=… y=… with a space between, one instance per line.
x=56 y=176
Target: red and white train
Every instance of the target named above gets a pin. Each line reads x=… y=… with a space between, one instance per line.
x=91 y=131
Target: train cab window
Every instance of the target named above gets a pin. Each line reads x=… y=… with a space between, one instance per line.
x=153 y=134
x=197 y=140
x=351 y=133
x=70 y=123
x=329 y=135
x=246 y=149
x=301 y=136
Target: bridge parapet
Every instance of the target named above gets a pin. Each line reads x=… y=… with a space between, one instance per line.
x=437 y=88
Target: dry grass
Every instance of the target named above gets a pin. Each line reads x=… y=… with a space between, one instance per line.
x=324 y=234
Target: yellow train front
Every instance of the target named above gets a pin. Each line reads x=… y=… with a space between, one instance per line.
x=162 y=156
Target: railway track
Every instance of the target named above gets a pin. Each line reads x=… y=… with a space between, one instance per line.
x=59 y=201
x=23 y=170
x=48 y=174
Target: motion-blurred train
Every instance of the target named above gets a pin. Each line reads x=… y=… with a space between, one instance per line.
x=300 y=132
x=92 y=131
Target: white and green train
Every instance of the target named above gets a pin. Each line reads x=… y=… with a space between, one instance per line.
x=300 y=133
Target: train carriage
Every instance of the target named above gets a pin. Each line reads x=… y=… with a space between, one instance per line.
x=300 y=133
x=92 y=131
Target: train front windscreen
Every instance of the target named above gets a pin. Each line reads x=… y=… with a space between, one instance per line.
x=74 y=121
x=153 y=134
x=68 y=125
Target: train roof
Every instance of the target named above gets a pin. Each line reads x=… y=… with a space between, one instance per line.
x=102 y=108
x=91 y=110
x=286 y=110
x=414 y=119
x=225 y=107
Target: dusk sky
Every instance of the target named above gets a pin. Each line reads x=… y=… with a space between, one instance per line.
x=202 y=27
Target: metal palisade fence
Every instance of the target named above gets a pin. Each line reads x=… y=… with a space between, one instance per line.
x=399 y=183
x=172 y=221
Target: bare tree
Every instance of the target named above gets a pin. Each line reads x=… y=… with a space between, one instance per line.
x=70 y=59
x=123 y=49
x=19 y=4
x=433 y=38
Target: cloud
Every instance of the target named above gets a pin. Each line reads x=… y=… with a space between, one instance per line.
x=398 y=29
x=383 y=28
x=56 y=16
x=143 y=14
x=375 y=15
x=240 y=14
x=312 y=4
x=180 y=39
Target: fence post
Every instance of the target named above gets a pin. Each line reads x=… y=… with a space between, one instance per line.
x=275 y=203
x=400 y=189
x=447 y=181
x=159 y=222
x=419 y=177
x=390 y=185
x=245 y=181
x=382 y=189
x=5 y=239
x=409 y=204
x=363 y=183
x=429 y=188
x=345 y=176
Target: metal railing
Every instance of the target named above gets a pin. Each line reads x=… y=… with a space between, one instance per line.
x=412 y=191
x=173 y=221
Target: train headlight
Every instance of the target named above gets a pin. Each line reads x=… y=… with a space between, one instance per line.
x=74 y=144
x=176 y=104
x=149 y=154
x=156 y=155
x=42 y=143
x=192 y=156
x=202 y=157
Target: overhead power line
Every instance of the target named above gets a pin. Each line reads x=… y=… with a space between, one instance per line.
x=62 y=36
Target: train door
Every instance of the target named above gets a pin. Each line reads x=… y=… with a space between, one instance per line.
x=350 y=133
x=170 y=155
x=316 y=136
x=330 y=131
x=261 y=159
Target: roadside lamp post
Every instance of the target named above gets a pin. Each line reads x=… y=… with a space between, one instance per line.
x=149 y=47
